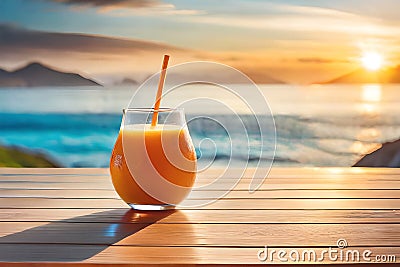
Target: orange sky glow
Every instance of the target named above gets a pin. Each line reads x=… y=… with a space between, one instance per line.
x=296 y=41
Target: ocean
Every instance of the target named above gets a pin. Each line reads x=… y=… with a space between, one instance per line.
x=325 y=125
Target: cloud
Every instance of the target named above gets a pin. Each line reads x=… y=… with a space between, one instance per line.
x=111 y=3
x=14 y=39
x=319 y=60
x=105 y=58
x=129 y=7
x=294 y=18
x=92 y=55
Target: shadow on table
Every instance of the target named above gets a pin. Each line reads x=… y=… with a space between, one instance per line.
x=78 y=238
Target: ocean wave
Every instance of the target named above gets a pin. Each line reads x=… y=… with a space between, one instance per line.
x=86 y=140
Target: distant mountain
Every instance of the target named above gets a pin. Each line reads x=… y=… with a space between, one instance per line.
x=37 y=74
x=127 y=81
x=389 y=75
x=386 y=156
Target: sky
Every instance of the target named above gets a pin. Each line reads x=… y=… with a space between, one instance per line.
x=297 y=41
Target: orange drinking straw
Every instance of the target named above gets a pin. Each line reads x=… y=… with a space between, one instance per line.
x=159 y=91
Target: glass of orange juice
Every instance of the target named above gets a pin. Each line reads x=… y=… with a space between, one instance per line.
x=153 y=167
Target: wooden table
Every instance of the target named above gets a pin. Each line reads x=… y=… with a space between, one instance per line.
x=74 y=217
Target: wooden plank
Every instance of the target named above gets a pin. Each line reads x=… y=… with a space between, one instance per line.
x=46 y=215
x=18 y=203
x=211 y=175
x=215 y=171
x=230 y=204
x=205 y=255
x=242 y=185
x=284 y=171
x=69 y=178
x=29 y=253
x=186 y=234
x=201 y=178
x=50 y=171
x=352 y=204
x=79 y=255
x=76 y=181
x=56 y=185
x=302 y=194
x=288 y=194
x=67 y=193
x=202 y=216
x=286 y=235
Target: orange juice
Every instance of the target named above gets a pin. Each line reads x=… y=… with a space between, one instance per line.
x=153 y=165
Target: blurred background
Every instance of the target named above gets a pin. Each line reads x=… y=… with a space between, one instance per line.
x=328 y=69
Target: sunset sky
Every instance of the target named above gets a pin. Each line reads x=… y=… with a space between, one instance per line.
x=297 y=41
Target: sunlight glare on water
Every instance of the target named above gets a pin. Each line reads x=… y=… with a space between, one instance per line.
x=327 y=125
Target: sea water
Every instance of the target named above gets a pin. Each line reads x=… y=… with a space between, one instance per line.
x=327 y=125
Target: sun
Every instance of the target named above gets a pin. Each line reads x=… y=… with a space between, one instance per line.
x=372 y=61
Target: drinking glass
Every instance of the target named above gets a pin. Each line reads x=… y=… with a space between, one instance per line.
x=153 y=167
